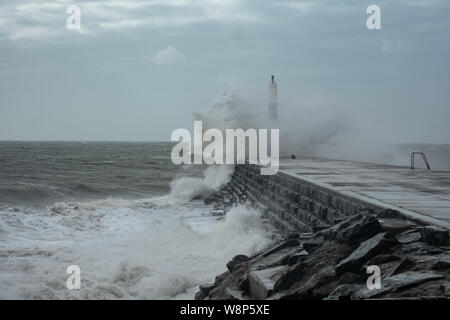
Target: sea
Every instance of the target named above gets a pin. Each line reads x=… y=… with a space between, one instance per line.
x=134 y=224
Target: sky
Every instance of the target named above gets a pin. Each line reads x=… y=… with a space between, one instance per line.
x=137 y=70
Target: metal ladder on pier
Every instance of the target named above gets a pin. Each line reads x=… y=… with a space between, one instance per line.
x=424 y=157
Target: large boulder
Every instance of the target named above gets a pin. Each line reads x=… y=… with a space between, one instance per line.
x=443 y=263
x=365 y=251
x=409 y=236
x=199 y=296
x=293 y=259
x=220 y=278
x=293 y=235
x=285 y=244
x=312 y=245
x=292 y=275
x=434 y=236
x=278 y=258
x=237 y=260
x=404 y=265
x=354 y=230
x=396 y=226
x=262 y=282
x=318 y=286
x=205 y=289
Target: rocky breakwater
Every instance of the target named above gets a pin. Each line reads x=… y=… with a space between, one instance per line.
x=414 y=261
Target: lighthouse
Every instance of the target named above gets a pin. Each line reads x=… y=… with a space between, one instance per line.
x=273 y=97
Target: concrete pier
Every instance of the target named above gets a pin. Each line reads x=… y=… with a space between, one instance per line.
x=420 y=194
x=340 y=217
x=312 y=193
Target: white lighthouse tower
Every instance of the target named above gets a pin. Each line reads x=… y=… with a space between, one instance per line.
x=273 y=100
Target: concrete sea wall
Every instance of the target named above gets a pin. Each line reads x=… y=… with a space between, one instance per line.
x=292 y=204
x=331 y=239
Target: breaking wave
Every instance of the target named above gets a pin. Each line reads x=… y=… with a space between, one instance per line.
x=188 y=188
x=126 y=249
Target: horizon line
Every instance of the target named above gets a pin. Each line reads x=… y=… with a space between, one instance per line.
x=160 y=141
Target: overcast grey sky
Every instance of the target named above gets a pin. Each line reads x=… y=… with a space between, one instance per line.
x=138 y=69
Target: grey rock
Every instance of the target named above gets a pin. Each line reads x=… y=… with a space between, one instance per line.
x=244 y=285
x=286 y=244
x=199 y=296
x=293 y=259
x=338 y=220
x=225 y=296
x=442 y=264
x=434 y=236
x=293 y=235
x=234 y=294
x=311 y=289
x=278 y=258
x=344 y=291
x=220 y=278
x=383 y=258
x=350 y=278
x=396 y=226
x=205 y=289
x=262 y=282
x=311 y=245
x=319 y=228
x=354 y=230
x=421 y=248
x=404 y=265
x=409 y=237
x=365 y=251
x=292 y=275
x=390 y=214
x=306 y=235
x=445 y=288
x=322 y=291
x=324 y=275
x=240 y=258
x=394 y=283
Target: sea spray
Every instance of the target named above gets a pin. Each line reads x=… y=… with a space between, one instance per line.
x=188 y=188
x=127 y=249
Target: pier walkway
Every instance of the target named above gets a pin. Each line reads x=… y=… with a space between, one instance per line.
x=419 y=194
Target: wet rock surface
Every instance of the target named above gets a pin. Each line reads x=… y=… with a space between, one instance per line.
x=354 y=230
x=434 y=235
x=331 y=264
x=366 y=250
x=240 y=258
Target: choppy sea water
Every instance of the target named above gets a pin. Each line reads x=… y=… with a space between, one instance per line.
x=133 y=222
x=122 y=213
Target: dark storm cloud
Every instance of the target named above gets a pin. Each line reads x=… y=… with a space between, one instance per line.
x=138 y=69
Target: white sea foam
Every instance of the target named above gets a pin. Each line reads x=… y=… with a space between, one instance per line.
x=188 y=188
x=317 y=129
x=126 y=249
